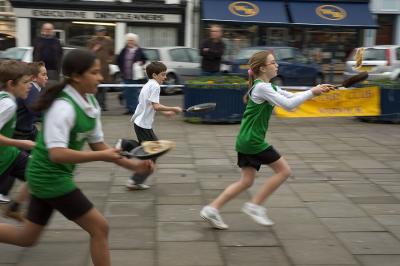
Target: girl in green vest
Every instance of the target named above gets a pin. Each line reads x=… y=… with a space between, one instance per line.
x=15 y=81
x=252 y=149
x=71 y=118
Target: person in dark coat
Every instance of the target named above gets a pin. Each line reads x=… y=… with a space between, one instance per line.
x=47 y=48
x=212 y=51
x=128 y=56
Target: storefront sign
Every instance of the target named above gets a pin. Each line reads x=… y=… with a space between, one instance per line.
x=331 y=12
x=244 y=9
x=97 y=15
x=353 y=102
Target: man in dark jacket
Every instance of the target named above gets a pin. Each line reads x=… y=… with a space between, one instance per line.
x=212 y=51
x=47 y=49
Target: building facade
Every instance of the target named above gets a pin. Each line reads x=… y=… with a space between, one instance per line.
x=158 y=23
x=387 y=13
x=326 y=30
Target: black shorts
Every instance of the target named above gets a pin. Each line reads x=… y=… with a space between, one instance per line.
x=72 y=205
x=267 y=156
x=144 y=134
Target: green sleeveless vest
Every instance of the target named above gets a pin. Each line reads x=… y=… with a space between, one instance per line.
x=47 y=179
x=254 y=126
x=8 y=154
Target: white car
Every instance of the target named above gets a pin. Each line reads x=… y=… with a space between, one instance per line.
x=380 y=61
x=182 y=63
x=25 y=54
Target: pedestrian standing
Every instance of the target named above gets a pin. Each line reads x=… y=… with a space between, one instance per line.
x=131 y=55
x=212 y=50
x=103 y=46
x=15 y=78
x=143 y=118
x=251 y=147
x=47 y=48
x=72 y=118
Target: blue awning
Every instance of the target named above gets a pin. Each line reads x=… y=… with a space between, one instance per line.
x=355 y=15
x=251 y=11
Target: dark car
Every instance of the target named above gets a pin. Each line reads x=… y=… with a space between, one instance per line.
x=294 y=68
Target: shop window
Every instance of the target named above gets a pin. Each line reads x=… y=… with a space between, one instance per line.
x=277 y=36
x=155 y=36
x=73 y=33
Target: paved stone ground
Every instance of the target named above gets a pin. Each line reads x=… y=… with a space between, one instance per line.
x=341 y=207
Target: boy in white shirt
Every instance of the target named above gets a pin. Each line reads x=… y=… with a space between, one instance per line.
x=143 y=118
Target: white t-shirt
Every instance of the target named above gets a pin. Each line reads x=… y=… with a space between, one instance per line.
x=60 y=119
x=144 y=113
x=8 y=107
x=264 y=92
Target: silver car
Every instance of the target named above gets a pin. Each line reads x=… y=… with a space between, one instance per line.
x=182 y=63
x=380 y=61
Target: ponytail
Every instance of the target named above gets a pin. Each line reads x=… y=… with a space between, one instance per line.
x=48 y=96
x=250 y=84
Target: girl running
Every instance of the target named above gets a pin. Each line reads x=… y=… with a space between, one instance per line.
x=71 y=118
x=253 y=150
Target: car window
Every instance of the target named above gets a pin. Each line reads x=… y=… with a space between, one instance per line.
x=398 y=53
x=284 y=54
x=194 y=55
x=299 y=57
x=374 y=54
x=247 y=53
x=13 y=53
x=179 y=55
x=152 y=54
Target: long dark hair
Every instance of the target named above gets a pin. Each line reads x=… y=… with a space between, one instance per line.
x=78 y=61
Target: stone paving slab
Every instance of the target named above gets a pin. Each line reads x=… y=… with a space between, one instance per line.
x=370 y=242
x=322 y=251
x=340 y=207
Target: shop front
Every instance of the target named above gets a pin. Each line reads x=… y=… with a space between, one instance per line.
x=74 y=22
x=326 y=31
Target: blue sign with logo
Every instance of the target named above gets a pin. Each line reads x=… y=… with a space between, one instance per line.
x=270 y=12
x=332 y=14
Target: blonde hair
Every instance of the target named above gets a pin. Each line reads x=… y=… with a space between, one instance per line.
x=256 y=61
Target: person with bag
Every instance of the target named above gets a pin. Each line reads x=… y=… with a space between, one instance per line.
x=131 y=62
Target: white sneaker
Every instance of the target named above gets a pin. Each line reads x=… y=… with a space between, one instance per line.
x=4 y=199
x=257 y=213
x=212 y=216
x=130 y=184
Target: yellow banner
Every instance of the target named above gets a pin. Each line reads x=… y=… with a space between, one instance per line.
x=353 y=102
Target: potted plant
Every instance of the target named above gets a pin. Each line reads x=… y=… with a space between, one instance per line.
x=226 y=91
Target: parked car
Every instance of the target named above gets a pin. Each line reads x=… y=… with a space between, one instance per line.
x=182 y=63
x=294 y=68
x=25 y=54
x=380 y=61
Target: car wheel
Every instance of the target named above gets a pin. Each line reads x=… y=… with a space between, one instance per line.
x=171 y=80
x=319 y=79
x=278 y=81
